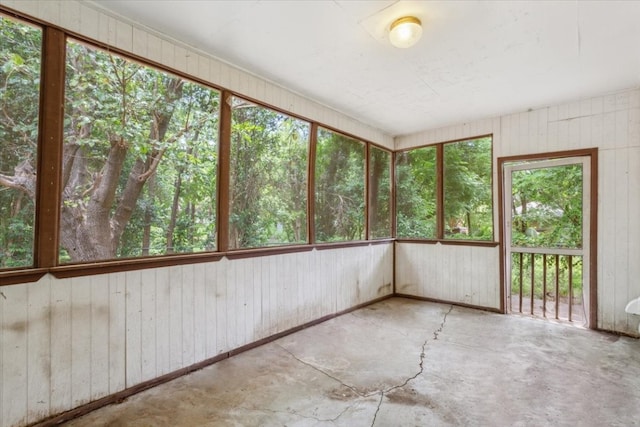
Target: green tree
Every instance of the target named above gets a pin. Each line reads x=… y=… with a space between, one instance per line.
x=269 y=156
x=547 y=207
x=20 y=52
x=340 y=180
x=416 y=193
x=467 y=189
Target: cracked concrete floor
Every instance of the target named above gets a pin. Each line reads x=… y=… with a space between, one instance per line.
x=402 y=362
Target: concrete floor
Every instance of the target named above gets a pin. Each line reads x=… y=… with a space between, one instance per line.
x=406 y=363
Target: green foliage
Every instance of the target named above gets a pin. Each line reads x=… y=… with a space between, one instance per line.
x=416 y=193
x=467 y=189
x=339 y=192
x=167 y=128
x=547 y=207
x=20 y=52
x=269 y=157
x=379 y=193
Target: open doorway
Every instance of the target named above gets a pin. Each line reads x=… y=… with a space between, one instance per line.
x=548 y=209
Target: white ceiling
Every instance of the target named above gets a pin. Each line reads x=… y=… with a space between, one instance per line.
x=476 y=59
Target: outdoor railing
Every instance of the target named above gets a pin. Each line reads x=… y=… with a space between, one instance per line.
x=547 y=283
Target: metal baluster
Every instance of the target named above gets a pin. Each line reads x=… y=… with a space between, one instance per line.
x=557 y=286
x=544 y=285
x=533 y=282
x=520 y=302
x=570 y=285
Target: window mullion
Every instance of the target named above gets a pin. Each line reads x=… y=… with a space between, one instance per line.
x=311 y=183
x=224 y=171
x=440 y=191
x=50 y=148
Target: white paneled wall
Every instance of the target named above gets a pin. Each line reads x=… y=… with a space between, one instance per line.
x=70 y=341
x=460 y=274
x=612 y=124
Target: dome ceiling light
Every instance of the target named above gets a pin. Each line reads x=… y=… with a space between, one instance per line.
x=405 y=32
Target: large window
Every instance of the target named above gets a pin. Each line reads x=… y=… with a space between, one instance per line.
x=339 y=182
x=140 y=160
x=379 y=193
x=467 y=190
x=464 y=183
x=416 y=193
x=268 y=190
x=131 y=165
x=20 y=52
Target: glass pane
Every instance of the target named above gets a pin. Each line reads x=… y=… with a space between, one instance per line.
x=269 y=156
x=467 y=190
x=416 y=193
x=547 y=207
x=140 y=160
x=379 y=193
x=20 y=52
x=340 y=177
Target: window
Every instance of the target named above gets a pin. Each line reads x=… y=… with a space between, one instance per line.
x=416 y=193
x=379 y=193
x=465 y=185
x=467 y=190
x=339 y=185
x=20 y=52
x=268 y=190
x=140 y=160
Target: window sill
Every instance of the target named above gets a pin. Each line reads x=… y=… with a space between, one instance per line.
x=13 y=277
x=482 y=243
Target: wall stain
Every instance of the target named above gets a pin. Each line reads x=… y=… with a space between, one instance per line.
x=381 y=290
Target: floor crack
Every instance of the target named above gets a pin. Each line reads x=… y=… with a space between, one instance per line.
x=382 y=393
x=436 y=333
x=315 y=368
x=375 y=415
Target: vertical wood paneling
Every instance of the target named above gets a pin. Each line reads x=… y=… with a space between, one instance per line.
x=80 y=341
x=154 y=48
x=633 y=253
x=175 y=318
x=15 y=329
x=133 y=303
x=464 y=274
x=50 y=9
x=256 y=301
x=621 y=235
x=61 y=345
x=38 y=350
x=606 y=256
x=210 y=307
x=88 y=21
x=221 y=306
x=148 y=325
x=188 y=319
x=117 y=332
x=199 y=312
x=71 y=16
x=140 y=43
x=106 y=29
x=162 y=310
x=75 y=340
x=99 y=336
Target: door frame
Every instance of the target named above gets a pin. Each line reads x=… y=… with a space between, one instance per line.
x=592 y=154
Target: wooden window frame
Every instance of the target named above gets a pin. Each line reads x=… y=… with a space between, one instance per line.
x=49 y=174
x=440 y=226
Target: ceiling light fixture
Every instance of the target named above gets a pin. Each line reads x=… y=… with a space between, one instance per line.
x=405 y=31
